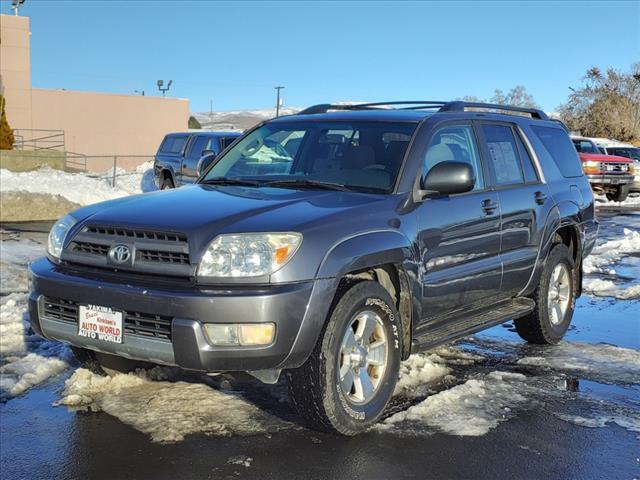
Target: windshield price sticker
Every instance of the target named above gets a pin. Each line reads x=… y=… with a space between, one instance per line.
x=100 y=323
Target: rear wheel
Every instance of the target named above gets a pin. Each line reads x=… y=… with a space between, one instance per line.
x=555 y=300
x=620 y=194
x=350 y=376
x=105 y=364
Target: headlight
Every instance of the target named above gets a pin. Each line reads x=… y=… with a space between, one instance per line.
x=592 y=164
x=58 y=233
x=248 y=254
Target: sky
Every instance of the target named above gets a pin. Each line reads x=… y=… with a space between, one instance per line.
x=234 y=53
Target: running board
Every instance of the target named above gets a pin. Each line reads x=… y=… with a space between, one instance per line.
x=472 y=322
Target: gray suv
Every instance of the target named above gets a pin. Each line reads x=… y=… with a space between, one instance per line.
x=329 y=246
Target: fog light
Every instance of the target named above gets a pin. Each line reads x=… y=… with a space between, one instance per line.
x=240 y=333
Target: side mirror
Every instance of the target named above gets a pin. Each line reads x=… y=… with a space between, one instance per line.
x=448 y=178
x=208 y=152
x=205 y=161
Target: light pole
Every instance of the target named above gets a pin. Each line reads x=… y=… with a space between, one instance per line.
x=15 y=5
x=278 y=100
x=164 y=89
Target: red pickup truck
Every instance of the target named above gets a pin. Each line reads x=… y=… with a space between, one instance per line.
x=608 y=174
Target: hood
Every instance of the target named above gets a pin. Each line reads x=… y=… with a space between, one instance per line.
x=598 y=157
x=204 y=211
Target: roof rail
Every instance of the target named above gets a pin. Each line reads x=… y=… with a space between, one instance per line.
x=413 y=105
x=459 y=106
x=456 y=106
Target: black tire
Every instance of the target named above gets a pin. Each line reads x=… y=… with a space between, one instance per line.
x=537 y=326
x=620 y=195
x=167 y=183
x=105 y=364
x=314 y=387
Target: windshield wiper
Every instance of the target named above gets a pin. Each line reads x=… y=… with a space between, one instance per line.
x=306 y=183
x=231 y=181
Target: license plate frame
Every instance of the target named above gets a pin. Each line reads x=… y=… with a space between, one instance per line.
x=101 y=323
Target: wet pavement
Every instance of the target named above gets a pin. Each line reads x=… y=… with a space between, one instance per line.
x=489 y=407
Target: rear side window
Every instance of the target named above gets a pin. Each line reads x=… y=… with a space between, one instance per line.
x=173 y=144
x=530 y=174
x=558 y=145
x=503 y=154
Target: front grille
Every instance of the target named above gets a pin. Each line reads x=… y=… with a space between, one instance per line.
x=135 y=323
x=616 y=167
x=90 y=248
x=163 y=257
x=154 y=252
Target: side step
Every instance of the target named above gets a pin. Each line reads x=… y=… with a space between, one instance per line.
x=471 y=322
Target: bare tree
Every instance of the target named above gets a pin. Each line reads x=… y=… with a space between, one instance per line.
x=517 y=97
x=606 y=105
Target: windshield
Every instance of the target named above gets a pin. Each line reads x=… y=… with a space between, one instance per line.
x=360 y=156
x=629 y=152
x=585 y=146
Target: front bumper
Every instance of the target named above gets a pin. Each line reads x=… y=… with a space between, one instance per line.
x=610 y=180
x=297 y=309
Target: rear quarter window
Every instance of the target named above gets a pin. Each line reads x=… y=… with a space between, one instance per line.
x=173 y=144
x=560 y=148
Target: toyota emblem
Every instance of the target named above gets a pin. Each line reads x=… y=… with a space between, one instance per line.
x=120 y=254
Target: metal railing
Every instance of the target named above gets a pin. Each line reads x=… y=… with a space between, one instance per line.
x=38 y=139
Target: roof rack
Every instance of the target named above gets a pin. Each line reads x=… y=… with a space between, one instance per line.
x=456 y=106
x=459 y=106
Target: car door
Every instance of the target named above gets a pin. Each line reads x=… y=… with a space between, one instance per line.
x=192 y=157
x=524 y=200
x=458 y=235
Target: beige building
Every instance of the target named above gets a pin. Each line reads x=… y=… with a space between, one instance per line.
x=93 y=123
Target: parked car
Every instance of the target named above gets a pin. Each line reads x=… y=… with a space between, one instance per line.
x=608 y=174
x=383 y=232
x=180 y=159
x=628 y=152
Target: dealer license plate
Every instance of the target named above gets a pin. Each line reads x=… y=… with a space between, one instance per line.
x=100 y=323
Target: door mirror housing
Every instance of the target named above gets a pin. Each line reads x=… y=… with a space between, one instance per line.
x=448 y=178
x=205 y=161
x=208 y=152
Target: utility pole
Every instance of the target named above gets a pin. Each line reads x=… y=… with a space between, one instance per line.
x=278 y=100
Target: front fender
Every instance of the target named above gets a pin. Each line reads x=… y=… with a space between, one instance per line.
x=363 y=250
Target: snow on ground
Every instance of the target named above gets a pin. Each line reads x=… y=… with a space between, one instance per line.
x=599 y=361
x=79 y=188
x=469 y=409
x=26 y=359
x=168 y=410
x=633 y=200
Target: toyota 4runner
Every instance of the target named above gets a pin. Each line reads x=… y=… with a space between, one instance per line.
x=329 y=246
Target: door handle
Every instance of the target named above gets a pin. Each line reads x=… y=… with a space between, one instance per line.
x=489 y=206
x=540 y=197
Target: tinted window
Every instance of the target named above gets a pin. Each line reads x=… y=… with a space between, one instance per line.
x=197 y=146
x=530 y=174
x=226 y=141
x=628 y=152
x=174 y=144
x=558 y=145
x=503 y=154
x=585 y=146
x=454 y=143
x=352 y=154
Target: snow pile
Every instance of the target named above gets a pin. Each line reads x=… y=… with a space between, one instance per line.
x=167 y=410
x=419 y=369
x=600 y=361
x=25 y=359
x=79 y=188
x=610 y=252
x=602 y=260
x=15 y=255
x=633 y=200
x=470 y=409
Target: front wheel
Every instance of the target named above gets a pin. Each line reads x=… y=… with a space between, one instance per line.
x=555 y=300
x=620 y=194
x=348 y=379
